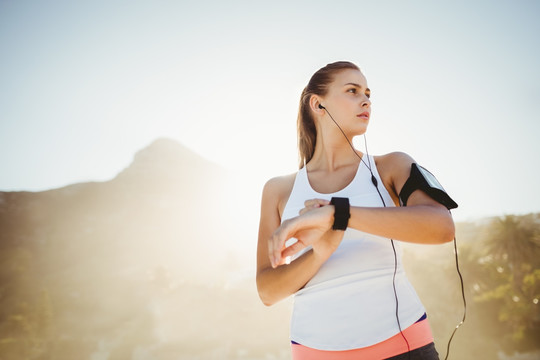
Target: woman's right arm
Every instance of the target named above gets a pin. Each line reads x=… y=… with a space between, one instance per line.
x=275 y=284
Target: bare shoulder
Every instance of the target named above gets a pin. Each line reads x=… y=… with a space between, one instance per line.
x=394 y=160
x=280 y=184
x=278 y=189
x=394 y=169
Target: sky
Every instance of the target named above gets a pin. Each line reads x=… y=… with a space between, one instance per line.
x=85 y=85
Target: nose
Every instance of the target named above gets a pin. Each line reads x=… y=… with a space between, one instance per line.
x=366 y=102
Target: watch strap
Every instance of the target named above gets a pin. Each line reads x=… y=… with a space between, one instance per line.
x=342 y=212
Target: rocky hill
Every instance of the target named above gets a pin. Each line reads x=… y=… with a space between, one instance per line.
x=141 y=264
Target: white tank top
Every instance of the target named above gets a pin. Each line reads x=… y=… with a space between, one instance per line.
x=350 y=302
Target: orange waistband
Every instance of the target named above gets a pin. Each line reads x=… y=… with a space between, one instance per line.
x=417 y=335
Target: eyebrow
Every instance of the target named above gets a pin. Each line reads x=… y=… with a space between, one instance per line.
x=357 y=85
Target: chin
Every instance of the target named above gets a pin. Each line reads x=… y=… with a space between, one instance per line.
x=361 y=130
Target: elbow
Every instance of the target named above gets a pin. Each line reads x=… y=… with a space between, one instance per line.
x=447 y=230
x=266 y=301
x=266 y=298
x=447 y=237
x=439 y=228
x=265 y=294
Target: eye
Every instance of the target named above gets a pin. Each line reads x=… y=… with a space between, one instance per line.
x=352 y=90
x=368 y=93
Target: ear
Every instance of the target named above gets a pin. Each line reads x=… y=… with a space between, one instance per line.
x=314 y=102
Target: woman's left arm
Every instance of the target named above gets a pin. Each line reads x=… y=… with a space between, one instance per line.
x=423 y=220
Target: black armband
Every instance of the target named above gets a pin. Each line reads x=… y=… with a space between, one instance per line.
x=342 y=213
x=421 y=179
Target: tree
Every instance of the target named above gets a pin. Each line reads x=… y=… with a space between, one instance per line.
x=510 y=279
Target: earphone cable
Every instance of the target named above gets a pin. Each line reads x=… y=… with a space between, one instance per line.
x=375 y=183
x=462 y=295
x=350 y=144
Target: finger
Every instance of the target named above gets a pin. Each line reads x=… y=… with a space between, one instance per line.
x=287 y=230
x=293 y=249
x=277 y=243
x=313 y=204
x=275 y=255
x=271 y=250
x=272 y=245
x=282 y=261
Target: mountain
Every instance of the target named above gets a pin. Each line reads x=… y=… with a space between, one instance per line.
x=140 y=264
x=156 y=211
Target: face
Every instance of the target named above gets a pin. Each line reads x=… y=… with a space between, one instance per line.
x=348 y=101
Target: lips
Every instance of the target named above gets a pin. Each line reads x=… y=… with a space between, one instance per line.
x=364 y=115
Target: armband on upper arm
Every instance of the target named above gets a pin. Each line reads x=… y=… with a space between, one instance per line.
x=422 y=179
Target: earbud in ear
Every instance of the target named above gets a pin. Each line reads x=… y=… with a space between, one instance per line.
x=321 y=107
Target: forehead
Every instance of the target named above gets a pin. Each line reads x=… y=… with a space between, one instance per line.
x=350 y=76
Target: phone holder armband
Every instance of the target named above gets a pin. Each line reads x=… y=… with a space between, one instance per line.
x=422 y=179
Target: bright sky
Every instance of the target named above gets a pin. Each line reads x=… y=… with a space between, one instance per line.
x=85 y=85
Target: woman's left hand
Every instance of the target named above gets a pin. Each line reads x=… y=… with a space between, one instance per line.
x=313 y=227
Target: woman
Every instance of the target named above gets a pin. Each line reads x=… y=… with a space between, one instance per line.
x=352 y=298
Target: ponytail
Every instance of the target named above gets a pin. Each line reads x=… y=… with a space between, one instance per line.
x=318 y=85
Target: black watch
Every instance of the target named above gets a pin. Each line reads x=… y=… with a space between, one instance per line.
x=342 y=213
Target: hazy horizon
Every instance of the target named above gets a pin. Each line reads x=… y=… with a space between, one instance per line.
x=86 y=85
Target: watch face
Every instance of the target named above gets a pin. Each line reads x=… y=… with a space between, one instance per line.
x=430 y=178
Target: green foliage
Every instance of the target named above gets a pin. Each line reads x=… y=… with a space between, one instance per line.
x=507 y=279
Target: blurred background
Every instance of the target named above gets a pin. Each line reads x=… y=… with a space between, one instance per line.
x=135 y=138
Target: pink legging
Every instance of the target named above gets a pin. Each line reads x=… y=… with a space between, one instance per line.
x=418 y=335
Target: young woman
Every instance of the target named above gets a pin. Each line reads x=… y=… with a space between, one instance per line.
x=352 y=299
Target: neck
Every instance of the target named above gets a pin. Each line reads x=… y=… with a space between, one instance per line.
x=332 y=152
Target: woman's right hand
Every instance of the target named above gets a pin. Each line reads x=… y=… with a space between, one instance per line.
x=313 y=227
